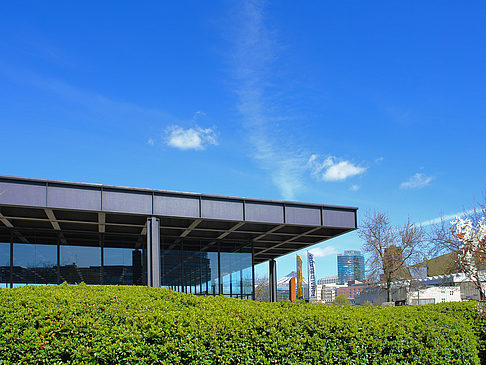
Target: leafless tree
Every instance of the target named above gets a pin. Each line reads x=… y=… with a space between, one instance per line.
x=390 y=249
x=261 y=289
x=443 y=241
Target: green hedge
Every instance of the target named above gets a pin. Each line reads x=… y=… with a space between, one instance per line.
x=139 y=325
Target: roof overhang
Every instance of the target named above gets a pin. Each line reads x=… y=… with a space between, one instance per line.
x=43 y=211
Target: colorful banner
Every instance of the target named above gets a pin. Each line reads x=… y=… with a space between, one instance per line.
x=311 y=265
x=300 y=293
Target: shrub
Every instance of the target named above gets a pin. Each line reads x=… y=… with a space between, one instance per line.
x=341 y=299
x=141 y=325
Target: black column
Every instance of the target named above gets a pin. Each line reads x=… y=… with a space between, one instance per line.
x=272 y=277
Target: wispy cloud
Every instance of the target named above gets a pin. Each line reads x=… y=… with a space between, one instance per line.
x=255 y=62
x=333 y=169
x=191 y=138
x=323 y=252
x=447 y=218
x=198 y=114
x=417 y=181
x=354 y=187
x=255 y=52
x=151 y=142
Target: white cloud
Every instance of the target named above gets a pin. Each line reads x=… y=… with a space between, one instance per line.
x=191 y=138
x=323 y=252
x=253 y=56
x=447 y=218
x=150 y=142
x=379 y=159
x=332 y=169
x=416 y=181
x=354 y=187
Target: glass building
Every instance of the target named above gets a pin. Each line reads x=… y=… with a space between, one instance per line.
x=53 y=232
x=351 y=266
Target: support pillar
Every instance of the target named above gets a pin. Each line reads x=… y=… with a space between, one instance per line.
x=153 y=252
x=272 y=277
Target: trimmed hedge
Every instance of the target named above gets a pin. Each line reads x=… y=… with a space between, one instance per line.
x=140 y=325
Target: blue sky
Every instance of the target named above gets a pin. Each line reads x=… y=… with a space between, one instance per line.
x=378 y=105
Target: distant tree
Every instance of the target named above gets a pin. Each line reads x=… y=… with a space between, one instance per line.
x=472 y=249
x=390 y=249
x=464 y=240
x=341 y=300
x=261 y=289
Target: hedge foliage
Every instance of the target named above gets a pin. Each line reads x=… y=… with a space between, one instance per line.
x=139 y=325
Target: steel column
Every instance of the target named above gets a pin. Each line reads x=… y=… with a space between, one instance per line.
x=153 y=252
x=272 y=268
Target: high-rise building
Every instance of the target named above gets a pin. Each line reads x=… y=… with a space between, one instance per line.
x=351 y=266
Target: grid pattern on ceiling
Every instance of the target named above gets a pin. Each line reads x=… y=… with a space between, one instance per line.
x=46 y=225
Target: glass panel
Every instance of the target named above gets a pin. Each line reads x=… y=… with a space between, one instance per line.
x=122 y=266
x=201 y=267
x=236 y=270
x=4 y=264
x=80 y=264
x=210 y=271
x=192 y=266
x=170 y=265
x=34 y=264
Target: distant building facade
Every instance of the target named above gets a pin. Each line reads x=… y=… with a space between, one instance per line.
x=407 y=295
x=328 y=280
x=352 y=290
x=351 y=266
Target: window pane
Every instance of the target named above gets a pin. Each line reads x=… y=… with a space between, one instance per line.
x=80 y=264
x=34 y=264
x=122 y=266
x=236 y=270
x=171 y=265
x=4 y=264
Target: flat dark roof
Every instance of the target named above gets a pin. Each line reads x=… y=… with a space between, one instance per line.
x=40 y=209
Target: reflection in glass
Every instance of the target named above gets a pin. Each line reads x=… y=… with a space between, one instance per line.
x=171 y=268
x=122 y=266
x=211 y=275
x=4 y=264
x=236 y=270
x=34 y=264
x=80 y=264
x=207 y=267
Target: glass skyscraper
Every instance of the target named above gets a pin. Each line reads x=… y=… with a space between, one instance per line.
x=351 y=266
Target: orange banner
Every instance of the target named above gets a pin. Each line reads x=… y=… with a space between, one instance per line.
x=300 y=293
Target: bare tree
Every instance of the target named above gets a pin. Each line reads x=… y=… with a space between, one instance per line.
x=471 y=261
x=261 y=289
x=389 y=249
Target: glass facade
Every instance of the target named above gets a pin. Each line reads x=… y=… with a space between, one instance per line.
x=81 y=264
x=200 y=267
x=122 y=266
x=4 y=264
x=45 y=261
x=34 y=264
x=351 y=266
x=207 y=267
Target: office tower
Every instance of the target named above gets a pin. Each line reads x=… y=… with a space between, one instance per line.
x=351 y=266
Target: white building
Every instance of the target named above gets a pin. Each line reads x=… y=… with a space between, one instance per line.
x=412 y=294
x=434 y=294
x=328 y=280
x=327 y=293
